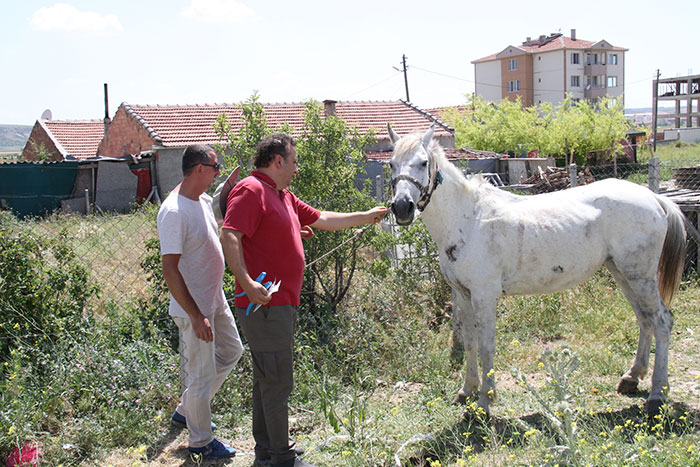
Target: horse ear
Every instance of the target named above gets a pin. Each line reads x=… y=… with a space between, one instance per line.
x=428 y=136
x=392 y=134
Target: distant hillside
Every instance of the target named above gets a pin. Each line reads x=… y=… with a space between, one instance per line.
x=14 y=137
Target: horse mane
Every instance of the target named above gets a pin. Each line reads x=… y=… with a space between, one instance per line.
x=409 y=143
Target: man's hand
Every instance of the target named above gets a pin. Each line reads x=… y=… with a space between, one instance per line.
x=306 y=232
x=256 y=292
x=202 y=328
x=377 y=213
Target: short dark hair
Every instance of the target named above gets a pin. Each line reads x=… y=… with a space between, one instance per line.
x=277 y=143
x=195 y=154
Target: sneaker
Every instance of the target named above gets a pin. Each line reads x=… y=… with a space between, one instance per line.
x=214 y=450
x=295 y=462
x=181 y=422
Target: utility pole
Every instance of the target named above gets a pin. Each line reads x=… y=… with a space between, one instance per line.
x=655 y=107
x=405 y=78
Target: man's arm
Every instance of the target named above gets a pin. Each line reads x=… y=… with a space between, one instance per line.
x=233 y=252
x=177 y=287
x=330 y=220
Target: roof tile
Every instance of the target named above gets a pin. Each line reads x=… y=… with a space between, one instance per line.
x=180 y=125
x=79 y=138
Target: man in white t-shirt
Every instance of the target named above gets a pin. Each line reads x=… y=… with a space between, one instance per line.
x=193 y=268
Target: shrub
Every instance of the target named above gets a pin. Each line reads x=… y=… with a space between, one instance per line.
x=43 y=291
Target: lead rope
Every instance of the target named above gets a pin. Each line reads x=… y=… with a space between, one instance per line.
x=358 y=234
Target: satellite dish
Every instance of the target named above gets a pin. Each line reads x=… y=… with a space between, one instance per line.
x=46 y=115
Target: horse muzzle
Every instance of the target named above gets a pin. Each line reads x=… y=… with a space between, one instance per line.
x=404 y=209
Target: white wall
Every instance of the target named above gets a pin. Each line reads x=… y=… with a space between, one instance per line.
x=548 y=77
x=488 y=80
x=616 y=70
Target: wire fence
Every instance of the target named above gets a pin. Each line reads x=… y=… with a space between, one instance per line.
x=114 y=247
x=677 y=179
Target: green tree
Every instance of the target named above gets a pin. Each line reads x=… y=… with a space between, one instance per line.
x=331 y=155
x=576 y=127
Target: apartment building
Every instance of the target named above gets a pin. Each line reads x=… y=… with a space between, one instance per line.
x=547 y=68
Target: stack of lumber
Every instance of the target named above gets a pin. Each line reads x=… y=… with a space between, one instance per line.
x=687 y=177
x=555 y=179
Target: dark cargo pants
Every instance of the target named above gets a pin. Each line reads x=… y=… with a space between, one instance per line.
x=270 y=335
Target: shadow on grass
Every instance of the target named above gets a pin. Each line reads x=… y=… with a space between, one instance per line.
x=473 y=433
x=178 y=455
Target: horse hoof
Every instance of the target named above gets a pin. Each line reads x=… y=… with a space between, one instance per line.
x=460 y=399
x=654 y=407
x=627 y=387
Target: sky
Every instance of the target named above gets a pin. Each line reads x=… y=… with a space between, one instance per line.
x=58 y=55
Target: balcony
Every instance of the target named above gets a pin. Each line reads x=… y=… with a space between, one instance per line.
x=594 y=92
x=592 y=70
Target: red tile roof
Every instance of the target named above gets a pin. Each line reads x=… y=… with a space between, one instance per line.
x=79 y=138
x=556 y=43
x=451 y=153
x=180 y=125
x=441 y=112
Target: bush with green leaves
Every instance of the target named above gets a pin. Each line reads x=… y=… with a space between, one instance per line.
x=570 y=127
x=43 y=291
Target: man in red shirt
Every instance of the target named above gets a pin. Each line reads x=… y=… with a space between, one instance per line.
x=262 y=232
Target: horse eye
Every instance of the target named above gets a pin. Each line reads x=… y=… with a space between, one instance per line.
x=424 y=164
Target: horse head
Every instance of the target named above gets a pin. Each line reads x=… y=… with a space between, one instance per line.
x=411 y=179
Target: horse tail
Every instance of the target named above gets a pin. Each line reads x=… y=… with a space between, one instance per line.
x=672 y=258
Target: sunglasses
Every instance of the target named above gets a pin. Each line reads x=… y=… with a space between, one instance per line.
x=217 y=166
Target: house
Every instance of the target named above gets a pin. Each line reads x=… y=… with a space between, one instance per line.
x=164 y=131
x=549 y=67
x=63 y=139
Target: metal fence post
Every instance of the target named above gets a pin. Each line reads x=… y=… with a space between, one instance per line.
x=654 y=174
x=573 y=175
x=379 y=188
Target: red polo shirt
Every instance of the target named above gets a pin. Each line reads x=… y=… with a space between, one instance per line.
x=270 y=221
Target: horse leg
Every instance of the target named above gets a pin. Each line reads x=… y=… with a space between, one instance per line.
x=457 y=354
x=467 y=331
x=485 y=312
x=629 y=381
x=654 y=315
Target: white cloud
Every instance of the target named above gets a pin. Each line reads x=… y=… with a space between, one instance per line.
x=64 y=17
x=217 y=11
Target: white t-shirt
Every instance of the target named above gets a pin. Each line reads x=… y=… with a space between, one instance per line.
x=188 y=228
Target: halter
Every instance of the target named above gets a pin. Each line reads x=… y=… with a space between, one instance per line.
x=425 y=191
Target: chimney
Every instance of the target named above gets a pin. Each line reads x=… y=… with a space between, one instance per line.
x=573 y=34
x=528 y=39
x=329 y=107
x=107 y=120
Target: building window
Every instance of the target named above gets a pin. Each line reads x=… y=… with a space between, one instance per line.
x=514 y=86
x=575 y=58
x=575 y=81
x=612 y=59
x=595 y=59
x=588 y=59
x=612 y=81
x=513 y=64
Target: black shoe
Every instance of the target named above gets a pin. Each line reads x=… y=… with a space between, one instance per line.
x=295 y=462
x=265 y=460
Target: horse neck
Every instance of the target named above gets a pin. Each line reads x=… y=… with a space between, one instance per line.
x=449 y=201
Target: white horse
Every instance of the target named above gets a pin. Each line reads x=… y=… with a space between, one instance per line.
x=492 y=243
